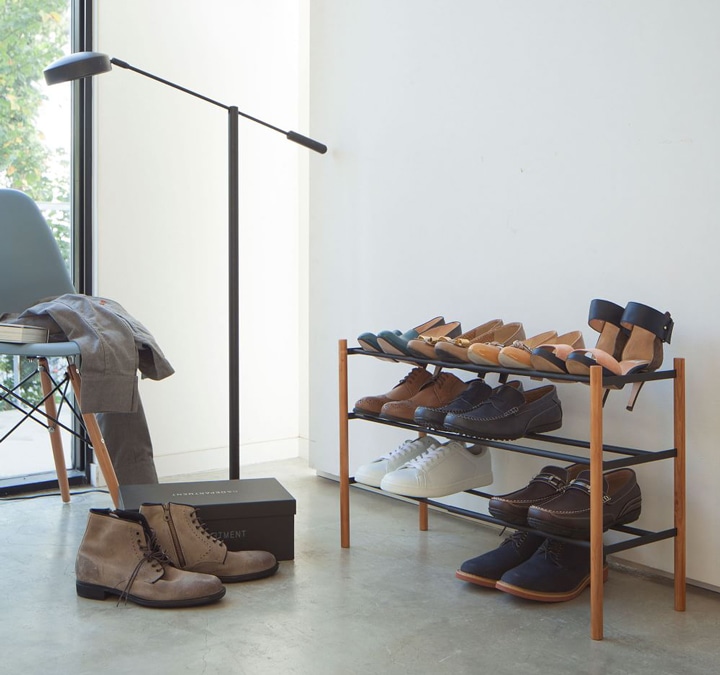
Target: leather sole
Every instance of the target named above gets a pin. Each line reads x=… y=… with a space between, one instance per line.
x=96 y=592
x=545 y=596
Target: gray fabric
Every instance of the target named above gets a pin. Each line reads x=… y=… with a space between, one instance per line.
x=128 y=441
x=113 y=345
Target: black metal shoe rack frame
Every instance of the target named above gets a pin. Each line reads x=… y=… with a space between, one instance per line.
x=596 y=461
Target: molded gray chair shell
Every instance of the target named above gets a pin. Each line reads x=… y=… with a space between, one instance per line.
x=31 y=270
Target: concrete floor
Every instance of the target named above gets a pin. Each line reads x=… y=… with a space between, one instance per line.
x=389 y=604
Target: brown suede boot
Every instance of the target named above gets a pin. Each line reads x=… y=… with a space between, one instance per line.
x=120 y=556
x=189 y=545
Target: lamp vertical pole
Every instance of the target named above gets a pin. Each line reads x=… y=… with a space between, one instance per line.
x=233 y=295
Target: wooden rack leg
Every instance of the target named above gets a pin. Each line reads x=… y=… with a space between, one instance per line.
x=98 y=442
x=344 y=461
x=54 y=431
x=679 y=479
x=596 y=504
x=423 y=516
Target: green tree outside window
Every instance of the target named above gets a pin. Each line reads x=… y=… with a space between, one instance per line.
x=34 y=33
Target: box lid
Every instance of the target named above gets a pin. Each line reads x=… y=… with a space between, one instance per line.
x=253 y=496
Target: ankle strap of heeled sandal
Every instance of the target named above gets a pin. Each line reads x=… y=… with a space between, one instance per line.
x=637 y=314
x=605 y=311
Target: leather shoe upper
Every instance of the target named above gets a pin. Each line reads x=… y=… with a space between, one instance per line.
x=510 y=413
x=568 y=514
x=548 y=484
x=438 y=392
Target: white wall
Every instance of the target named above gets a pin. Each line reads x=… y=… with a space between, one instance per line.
x=516 y=160
x=162 y=215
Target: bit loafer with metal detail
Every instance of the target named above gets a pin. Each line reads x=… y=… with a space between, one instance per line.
x=568 y=514
x=546 y=485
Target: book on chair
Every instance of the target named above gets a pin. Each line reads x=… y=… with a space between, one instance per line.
x=11 y=332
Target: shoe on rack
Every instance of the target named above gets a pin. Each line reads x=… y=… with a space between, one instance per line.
x=517 y=353
x=190 y=546
x=436 y=393
x=476 y=392
x=510 y=413
x=556 y=572
x=568 y=514
x=460 y=350
x=549 y=483
x=369 y=341
x=647 y=329
x=120 y=555
x=551 y=357
x=429 y=348
x=373 y=473
x=397 y=345
x=403 y=390
x=486 y=353
x=605 y=317
x=487 y=569
x=442 y=470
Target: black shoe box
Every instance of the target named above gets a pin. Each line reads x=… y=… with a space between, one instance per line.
x=247 y=514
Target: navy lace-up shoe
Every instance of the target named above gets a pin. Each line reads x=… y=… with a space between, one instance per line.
x=556 y=572
x=486 y=569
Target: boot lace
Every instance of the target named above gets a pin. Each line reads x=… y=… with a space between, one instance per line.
x=202 y=527
x=152 y=554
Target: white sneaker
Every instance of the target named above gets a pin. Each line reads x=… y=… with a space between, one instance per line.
x=372 y=474
x=440 y=471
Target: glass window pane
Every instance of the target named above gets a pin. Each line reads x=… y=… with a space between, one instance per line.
x=35 y=149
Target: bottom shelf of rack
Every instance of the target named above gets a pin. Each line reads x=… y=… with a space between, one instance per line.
x=639 y=537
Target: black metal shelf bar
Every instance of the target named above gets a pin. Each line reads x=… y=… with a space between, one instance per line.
x=640 y=537
x=615 y=381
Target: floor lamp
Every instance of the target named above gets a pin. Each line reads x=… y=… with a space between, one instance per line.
x=87 y=64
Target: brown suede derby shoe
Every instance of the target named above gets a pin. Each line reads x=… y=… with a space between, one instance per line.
x=509 y=414
x=438 y=392
x=403 y=390
x=548 y=484
x=568 y=514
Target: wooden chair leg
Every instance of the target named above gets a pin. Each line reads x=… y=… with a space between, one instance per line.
x=98 y=442
x=54 y=431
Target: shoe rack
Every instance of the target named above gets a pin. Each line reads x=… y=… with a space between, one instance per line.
x=561 y=449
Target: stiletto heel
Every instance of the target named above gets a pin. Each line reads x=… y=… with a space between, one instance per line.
x=637 y=386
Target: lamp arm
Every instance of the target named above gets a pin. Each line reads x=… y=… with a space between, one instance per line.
x=125 y=64
x=290 y=135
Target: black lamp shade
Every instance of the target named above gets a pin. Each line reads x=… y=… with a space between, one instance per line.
x=76 y=66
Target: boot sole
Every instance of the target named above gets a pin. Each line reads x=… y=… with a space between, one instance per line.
x=249 y=577
x=545 y=596
x=96 y=592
